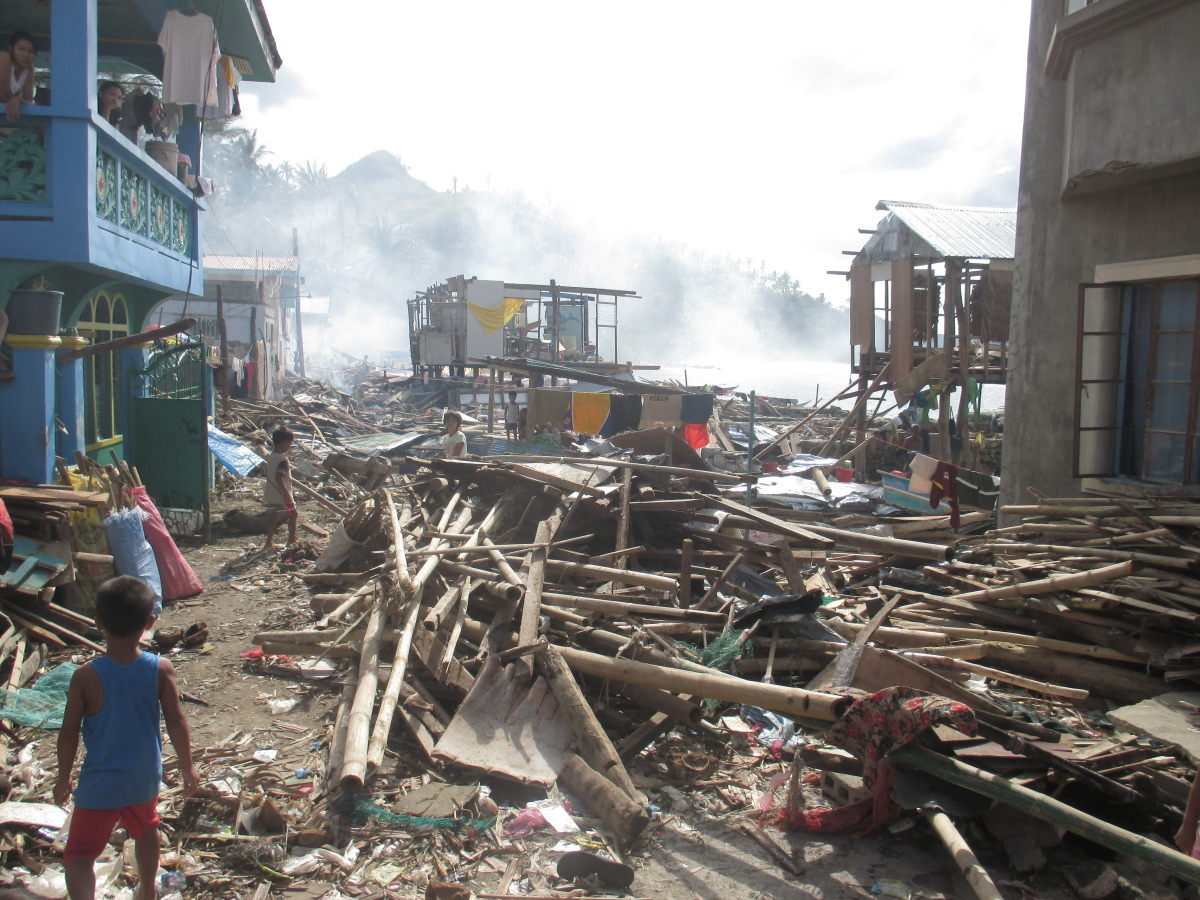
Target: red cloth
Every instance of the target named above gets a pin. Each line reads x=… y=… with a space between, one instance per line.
x=91 y=828
x=178 y=579
x=872 y=727
x=945 y=484
x=696 y=436
x=6 y=538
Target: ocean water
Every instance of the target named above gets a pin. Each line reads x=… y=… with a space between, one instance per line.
x=798 y=380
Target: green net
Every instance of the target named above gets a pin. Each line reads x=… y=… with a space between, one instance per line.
x=42 y=705
x=360 y=809
x=722 y=651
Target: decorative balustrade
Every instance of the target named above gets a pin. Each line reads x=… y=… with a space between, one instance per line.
x=131 y=199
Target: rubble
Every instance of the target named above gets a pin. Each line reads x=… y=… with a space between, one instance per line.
x=626 y=641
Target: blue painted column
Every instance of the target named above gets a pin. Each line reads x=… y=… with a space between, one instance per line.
x=70 y=403
x=27 y=409
x=73 y=44
x=131 y=361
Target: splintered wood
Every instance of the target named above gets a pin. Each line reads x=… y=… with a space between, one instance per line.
x=546 y=621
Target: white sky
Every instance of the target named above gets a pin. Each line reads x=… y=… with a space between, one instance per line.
x=764 y=130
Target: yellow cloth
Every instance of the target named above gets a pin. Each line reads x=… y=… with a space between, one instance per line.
x=589 y=411
x=492 y=318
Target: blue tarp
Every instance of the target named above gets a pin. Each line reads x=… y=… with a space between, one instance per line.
x=232 y=453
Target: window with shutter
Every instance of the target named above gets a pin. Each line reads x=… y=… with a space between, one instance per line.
x=1138 y=393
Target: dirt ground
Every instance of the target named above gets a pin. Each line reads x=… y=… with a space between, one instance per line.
x=695 y=849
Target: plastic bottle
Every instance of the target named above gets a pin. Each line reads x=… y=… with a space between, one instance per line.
x=171 y=883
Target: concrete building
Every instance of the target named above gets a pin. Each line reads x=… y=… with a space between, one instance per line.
x=257 y=301
x=1103 y=389
x=97 y=225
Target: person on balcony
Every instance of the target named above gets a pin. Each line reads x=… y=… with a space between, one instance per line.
x=141 y=117
x=110 y=98
x=16 y=74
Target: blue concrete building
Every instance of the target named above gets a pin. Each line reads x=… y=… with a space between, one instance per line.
x=84 y=212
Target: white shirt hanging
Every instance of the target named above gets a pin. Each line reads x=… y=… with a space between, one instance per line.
x=190 y=54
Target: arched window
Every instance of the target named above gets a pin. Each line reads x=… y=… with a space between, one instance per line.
x=106 y=317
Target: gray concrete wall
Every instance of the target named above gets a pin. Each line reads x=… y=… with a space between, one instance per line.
x=1134 y=94
x=1060 y=242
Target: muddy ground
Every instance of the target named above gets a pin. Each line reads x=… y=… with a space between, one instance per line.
x=695 y=849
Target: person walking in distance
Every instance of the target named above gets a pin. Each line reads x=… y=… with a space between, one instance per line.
x=277 y=495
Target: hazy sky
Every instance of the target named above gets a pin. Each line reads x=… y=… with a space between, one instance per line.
x=762 y=130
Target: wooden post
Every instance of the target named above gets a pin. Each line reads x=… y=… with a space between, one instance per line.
x=223 y=331
x=685 y=573
x=624 y=816
x=492 y=401
x=591 y=741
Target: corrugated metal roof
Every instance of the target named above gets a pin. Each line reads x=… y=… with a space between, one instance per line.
x=230 y=262
x=960 y=231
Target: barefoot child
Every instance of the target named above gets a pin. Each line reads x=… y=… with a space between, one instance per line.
x=277 y=495
x=116 y=701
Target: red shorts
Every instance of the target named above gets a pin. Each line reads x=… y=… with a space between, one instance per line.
x=91 y=828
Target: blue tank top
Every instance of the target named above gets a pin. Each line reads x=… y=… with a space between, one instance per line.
x=123 y=763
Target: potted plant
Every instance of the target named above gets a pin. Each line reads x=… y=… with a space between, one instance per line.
x=34 y=309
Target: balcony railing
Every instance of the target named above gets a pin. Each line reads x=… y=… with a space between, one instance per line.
x=140 y=220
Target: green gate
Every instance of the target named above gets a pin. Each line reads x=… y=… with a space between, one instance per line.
x=168 y=412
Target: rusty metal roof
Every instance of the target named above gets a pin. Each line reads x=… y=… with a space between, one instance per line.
x=959 y=231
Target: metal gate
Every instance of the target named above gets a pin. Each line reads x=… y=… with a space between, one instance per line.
x=168 y=412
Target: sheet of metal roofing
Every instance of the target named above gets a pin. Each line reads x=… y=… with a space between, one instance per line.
x=960 y=231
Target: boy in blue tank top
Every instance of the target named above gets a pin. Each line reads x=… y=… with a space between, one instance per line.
x=115 y=701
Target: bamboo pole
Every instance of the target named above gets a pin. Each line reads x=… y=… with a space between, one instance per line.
x=968 y=864
x=1064 y=582
x=621 y=608
x=358 y=727
x=391 y=694
x=989 y=635
x=1150 y=559
x=789 y=701
x=1050 y=810
x=962 y=665
x=668 y=583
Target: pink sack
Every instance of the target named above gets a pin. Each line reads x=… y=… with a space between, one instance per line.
x=178 y=579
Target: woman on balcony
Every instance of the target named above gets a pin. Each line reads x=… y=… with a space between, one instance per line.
x=16 y=74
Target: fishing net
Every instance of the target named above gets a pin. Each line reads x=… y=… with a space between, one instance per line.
x=43 y=704
x=360 y=809
x=722 y=651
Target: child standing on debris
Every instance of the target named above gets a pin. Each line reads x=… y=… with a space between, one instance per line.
x=277 y=495
x=512 y=416
x=116 y=701
x=454 y=442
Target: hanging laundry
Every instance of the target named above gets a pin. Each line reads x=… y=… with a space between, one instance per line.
x=978 y=490
x=492 y=318
x=945 y=484
x=696 y=409
x=549 y=407
x=626 y=412
x=588 y=411
x=661 y=409
x=922 y=467
x=696 y=435
x=228 y=80
x=190 y=54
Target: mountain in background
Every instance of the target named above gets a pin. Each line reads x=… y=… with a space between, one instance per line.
x=373 y=235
